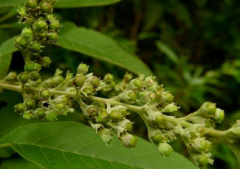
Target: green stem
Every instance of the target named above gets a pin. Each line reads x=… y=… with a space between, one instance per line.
x=5 y=145
x=137 y=109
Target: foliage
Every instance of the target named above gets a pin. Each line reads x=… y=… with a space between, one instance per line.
x=153 y=30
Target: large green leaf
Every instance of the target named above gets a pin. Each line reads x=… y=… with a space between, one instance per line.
x=99 y=46
x=68 y=145
x=83 y=3
x=18 y=163
x=64 y=3
x=6 y=50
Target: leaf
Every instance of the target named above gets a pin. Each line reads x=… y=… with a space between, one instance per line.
x=153 y=14
x=167 y=51
x=83 y=3
x=68 y=145
x=235 y=147
x=99 y=46
x=6 y=50
x=18 y=163
x=64 y=3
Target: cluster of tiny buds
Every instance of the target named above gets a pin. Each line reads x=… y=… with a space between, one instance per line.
x=43 y=28
x=107 y=119
x=54 y=96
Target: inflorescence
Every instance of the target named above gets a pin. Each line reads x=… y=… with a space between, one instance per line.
x=47 y=99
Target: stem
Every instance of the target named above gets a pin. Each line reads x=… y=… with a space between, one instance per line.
x=5 y=145
x=137 y=109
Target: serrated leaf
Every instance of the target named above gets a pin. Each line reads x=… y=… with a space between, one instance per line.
x=72 y=145
x=18 y=163
x=99 y=46
x=6 y=50
x=64 y=3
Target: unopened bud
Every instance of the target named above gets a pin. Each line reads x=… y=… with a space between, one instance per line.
x=129 y=140
x=79 y=80
x=82 y=68
x=165 y=149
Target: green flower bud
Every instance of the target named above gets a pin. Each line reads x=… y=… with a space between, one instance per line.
x=51 y=115
x=202 y=160
x=129 y=140
x=95 y=81
x=170 y=108
x=39 y=113
x=27 y=114
x=20 y=108
x=165 y=149
x=129 y=96
x=101 y=105
x=60 y=107
x=149 y=82
x=42 y=36
x=40 y=25
x=207 y=110
x=126 y=124
x=23 y=43
x=45 y=61
x=23 y=77
x=108 y=78
x=30 y=104
x=54 y=26
x=157 y=138
x=123 y=111
x=79 y=80
x=44 y=94
x=12 y=76
x=219 y=116
x=46 y=8
x=127 y=77
x=32 y=4
x=168 y=97
x=53 y=37
x=27 y=33
x=92 y=111
x=87 y=89
x=22 y=12
x=135 y=84
x=115 y=116
x=201 y=145
x=102 y=116
x=16 y=41
x=35 y=47
x=211 y=107
x=159 y=121
x=30 y=66
x=34 y=76
x=82 y=68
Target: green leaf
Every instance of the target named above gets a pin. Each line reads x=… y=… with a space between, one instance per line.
x=68 y=145
x=18 y=163
x=99 y=46
x=6 y=50
x=167 y=51
x=83 y=3
x=5 y=60
x=64 y=3
x=235 y=147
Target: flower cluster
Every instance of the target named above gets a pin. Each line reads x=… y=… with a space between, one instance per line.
x=48 y=98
